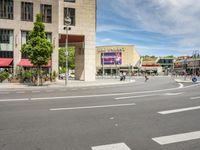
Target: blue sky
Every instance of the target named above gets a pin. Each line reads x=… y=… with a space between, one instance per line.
x=155 y=27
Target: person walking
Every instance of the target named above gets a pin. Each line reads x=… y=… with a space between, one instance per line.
x=124 y=76
x=146 y=78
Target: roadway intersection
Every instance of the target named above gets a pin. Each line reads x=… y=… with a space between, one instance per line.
x=157 y=115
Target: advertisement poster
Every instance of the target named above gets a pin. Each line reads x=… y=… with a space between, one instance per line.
x=111 y=58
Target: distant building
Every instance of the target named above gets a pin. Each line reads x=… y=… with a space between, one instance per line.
x=157 y=65
x=115 y=59
x=150 y=66
x=17 y=18
x=186 y=64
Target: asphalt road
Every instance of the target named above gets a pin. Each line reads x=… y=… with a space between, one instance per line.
x=155 y=115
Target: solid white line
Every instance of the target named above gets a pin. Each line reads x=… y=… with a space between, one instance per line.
x=137 y=96
x=117 y=146
x=89 y=107
x=173 y=94
x=194 y=97
x=4 y=92
x=177 y=138
x=178 y=110
x=35 y=91
x=12 y=100
x=115 y=94
x=20 y=92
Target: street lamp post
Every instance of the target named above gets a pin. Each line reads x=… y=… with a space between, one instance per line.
x=195 y=55
x=67 y=24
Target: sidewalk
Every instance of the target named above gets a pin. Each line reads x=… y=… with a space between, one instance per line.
x=71 y=83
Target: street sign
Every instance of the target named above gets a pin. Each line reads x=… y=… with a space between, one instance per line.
x=194 y=79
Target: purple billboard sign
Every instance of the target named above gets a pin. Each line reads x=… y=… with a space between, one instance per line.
x=111 y=58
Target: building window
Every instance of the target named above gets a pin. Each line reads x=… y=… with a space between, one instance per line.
x=6 y=40
x=24 y=37
x=72 y=1
x=26 y=11
x=71 y=13
x=6 y=9
x=46 y=11
x=49 y=36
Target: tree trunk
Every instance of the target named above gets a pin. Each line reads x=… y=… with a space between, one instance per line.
x=38 y=76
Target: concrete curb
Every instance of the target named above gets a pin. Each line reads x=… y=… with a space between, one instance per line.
x=6 y=86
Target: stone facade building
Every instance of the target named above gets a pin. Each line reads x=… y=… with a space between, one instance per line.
x=17 y=18
x=112 y=60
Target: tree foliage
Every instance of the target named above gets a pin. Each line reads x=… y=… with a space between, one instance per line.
x=71 y=57
x=38 y=48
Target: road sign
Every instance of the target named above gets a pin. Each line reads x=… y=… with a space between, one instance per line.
x=194 y=79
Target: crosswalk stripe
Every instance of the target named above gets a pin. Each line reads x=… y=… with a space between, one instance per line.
x=177 y=138
x=117 y=146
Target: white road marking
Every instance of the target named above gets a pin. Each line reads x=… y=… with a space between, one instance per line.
x=178 y=110
x=137 y=96
x=90 y=107
x=117 y=146
x=4 y=92
x=12 y=100
x=181 y=85
x=62 y=90
x=173 y=94
x=177 y=138
x=104 y=95
x=194 y=97
x=35 y=91
x=49 y=90
x=20 y=92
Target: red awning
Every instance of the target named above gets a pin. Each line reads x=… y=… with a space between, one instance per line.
x=150 y=65
x=5 y=62
x=27 y=63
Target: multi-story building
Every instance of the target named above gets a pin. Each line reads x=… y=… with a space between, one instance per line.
x=17 y=18
x=115 y=59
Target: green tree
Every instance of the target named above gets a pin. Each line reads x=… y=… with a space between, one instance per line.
x=38 y=48
x=62 y=58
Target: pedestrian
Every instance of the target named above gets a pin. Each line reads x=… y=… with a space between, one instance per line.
x=124 y=76
x=121 y=76
x=146 y=78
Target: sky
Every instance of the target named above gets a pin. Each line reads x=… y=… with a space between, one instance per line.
x=154 y=27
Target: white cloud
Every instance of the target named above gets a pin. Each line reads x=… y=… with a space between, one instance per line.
x=173 y=18
x=107 y=41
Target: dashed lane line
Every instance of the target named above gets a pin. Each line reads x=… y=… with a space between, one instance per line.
x=117 y=146
x=194 y=97
x=12 y=100
x=177 y=138
x=90 y=107
x=148 y=95
x=137 y=96
x=4 y=92
x=20 y=92
x=178 y=110
x=36 y=91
